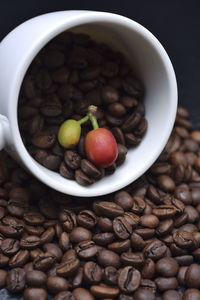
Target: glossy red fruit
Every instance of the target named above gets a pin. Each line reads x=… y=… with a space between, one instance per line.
x=101 y=147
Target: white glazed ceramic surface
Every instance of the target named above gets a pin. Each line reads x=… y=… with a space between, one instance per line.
x=141 y=48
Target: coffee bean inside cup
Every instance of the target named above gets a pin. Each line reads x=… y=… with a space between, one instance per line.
x=71 y=73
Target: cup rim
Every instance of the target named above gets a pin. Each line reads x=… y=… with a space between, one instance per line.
x=92 y=17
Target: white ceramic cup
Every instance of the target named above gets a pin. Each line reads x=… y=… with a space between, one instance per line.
x=143 y=51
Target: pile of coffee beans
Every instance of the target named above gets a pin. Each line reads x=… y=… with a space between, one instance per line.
x=142 y=242
x=69 y=74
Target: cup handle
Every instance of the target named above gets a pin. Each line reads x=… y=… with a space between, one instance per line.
x=3 y=131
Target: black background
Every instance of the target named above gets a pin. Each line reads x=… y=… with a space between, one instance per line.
x=176 y=23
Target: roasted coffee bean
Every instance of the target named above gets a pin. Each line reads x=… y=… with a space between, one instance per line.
x=33 y=218
x=54 y=249
x=64 y=242
x=137 y=241
x=35 y=252
x=122 y=151
x=52 y=162
x=192 y=214
x=176 y=250
x=87 y=219
x=122 y=228
x=148 y=270
x=145 y=233
x=117 y=109
x=69 y=254
x=44 y=141
x=193 y=294
x=3 y=277
x=14 y=209
x=132 y=140
x=89 y=169
x=132 y=87
x=171 y=294
x=86 y=249
x=44 y=261
x=66 y=171
x=110 y=275
x=34 y=230
x=167 y=267
x=30 y=242
x=166 y=283
x=68 y=268
x=80 y=234
x=3 y=260
x=36 y=278
x=155 y=250
x=120 y=247
x=10 y=246
x=164 y=211
x=82 y=294
x=16 y=280
x=165 y=227
x=104 y=291
x=128 y=101
x=183 y=239
x=149 y=221
x=129 y=279
x=109 y=94
x=11 y=227
x=104 y=224
x=119 y=136
x=92 y=272
x=165 y=183
x=189 y=228
x=135 y=259
x=141 y=128
x=183 y=193
x=47 y=235
x=65 y=295
x=181 y=275
x=82 y=178
x=132 y=218
x=180 y=220
x=103 y=238
x=107 y=209
x=72 y=159
x=143 y=293
x=19 y=259
x=67 y=219
x=56 y=284
x=131 y=122
x=28 y=267
x=35 y=293
x=107 y=257
x=191 y=276
x=138 y=205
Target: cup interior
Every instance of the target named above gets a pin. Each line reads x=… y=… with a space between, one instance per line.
x=152 y=65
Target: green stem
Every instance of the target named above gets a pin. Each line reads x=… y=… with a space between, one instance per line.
x=83 y=120
x=93 y=120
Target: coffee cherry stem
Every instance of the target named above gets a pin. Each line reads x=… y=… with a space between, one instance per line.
x=91 y=110
x=83 y=120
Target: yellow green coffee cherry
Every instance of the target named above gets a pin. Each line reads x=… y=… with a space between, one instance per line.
x=69 y=134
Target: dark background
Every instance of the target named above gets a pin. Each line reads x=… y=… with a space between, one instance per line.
x=176 y=23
